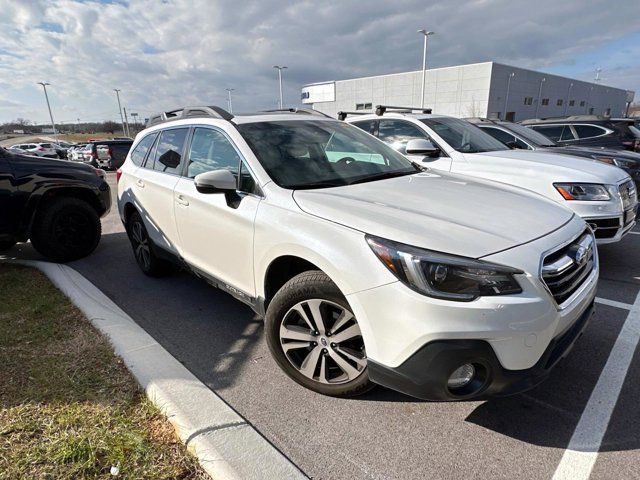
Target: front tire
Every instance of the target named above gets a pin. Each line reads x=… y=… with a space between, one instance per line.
x=143 y=251
x=315 y=338
x=66 y=229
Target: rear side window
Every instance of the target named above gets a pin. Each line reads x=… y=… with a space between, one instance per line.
x=589 y=131
x=211 y=150
x=368 y=126
x=140 y=152
x=499 y=135
x=554 y=132
x=168 y=153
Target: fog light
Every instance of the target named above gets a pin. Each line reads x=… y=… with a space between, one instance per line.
x=461 y=376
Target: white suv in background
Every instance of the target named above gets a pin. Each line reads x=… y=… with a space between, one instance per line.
x=604 y=195
x=367 y=268
x=38 y=149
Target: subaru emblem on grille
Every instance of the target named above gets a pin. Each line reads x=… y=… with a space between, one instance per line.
x=580 y=254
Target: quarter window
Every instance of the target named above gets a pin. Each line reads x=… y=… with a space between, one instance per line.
x=247 y=182
x=211 y=150
x=396 y=133
x=140 y=152
x=588 y=131
x=168 y=153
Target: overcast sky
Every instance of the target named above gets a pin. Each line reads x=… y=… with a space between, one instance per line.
x=165 y=54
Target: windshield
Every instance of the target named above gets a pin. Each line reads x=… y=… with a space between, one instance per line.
x=317 y=154
x=463 y=136
x=531 y=135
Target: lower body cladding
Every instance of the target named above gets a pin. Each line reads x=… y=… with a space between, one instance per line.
x=444 y=350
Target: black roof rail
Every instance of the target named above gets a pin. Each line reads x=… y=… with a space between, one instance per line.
x=306 y=111
x=342 y=115
x=381 y=109
x=481 y=120
x=211 y=111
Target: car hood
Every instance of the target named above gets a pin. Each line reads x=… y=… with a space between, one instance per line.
x=443 y=212
x=597 y=151
x=564 y=168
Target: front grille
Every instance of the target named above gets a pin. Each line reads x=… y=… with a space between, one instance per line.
x=628 y=194
x=566 y=269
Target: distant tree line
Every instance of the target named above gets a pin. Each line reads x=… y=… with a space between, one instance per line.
x=82 y=127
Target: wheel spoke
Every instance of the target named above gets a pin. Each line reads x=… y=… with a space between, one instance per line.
x=323 y=370
x=316 y=313
x=293 y=332
x=305 y=317
x=347 y=334
x=346 y=367
x=342 y=320
x=360 y=361
x=294 y=345
x=310 y=363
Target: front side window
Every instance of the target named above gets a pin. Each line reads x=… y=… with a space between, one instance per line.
x=211 y=150
x=368 y=126
x=397 y=133
x=463 y=136
x=168 y=152
x=303 y=154
x=531 y=136
x=589 y=131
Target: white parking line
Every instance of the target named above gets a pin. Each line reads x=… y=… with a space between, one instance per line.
x=635 y=233
x=614 y=303
x=581 y=454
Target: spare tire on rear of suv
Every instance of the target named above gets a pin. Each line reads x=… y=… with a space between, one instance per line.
x=66 y=229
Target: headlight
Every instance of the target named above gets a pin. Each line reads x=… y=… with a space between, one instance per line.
x=583 y=191
x=444 y=276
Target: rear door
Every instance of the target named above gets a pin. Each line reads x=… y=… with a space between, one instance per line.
x=154 y=185
x=216 y=230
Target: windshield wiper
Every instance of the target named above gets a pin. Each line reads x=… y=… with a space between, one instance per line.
x=323 y=184
x=382 y=176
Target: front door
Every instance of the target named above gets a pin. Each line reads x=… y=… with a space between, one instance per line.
x=216 y=229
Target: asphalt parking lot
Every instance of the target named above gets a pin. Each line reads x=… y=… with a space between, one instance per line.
x=383 y=434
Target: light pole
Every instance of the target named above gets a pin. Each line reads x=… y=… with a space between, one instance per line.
x=544 y=79
x=586 y=107
x=426 y=34
x=566 y=103
x=46 y=96
x=280 y=68
x=229 y=90
x=506 y=98
x=124 y=132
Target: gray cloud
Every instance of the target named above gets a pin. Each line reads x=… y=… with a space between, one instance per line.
x=201 y=47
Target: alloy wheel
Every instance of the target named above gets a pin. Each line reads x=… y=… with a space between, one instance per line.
x=322 y=340
x=140 y=242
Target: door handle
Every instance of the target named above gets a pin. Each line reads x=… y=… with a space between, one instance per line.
x=182 y=201
x=140 y=183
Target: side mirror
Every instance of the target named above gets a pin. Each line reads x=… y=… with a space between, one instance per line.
x=170 y=159
x=420 y=146
x=217 y=181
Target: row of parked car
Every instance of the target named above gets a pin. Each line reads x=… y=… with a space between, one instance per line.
x=106 y=154
x=399 y=248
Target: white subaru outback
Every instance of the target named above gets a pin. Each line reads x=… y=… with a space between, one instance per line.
x=604 y=195
x=367 y=268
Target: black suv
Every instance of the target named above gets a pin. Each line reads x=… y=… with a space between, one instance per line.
x=588 y=130
x=109 y=154
x=514 y=135
x=55 y=204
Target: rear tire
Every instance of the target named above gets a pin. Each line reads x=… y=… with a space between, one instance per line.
x=66 y=229
x=310 y=319
x=143 y=249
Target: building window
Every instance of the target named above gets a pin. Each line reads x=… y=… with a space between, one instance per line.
x=363 y=106
x=591 y=110
x=582 y=103
x=572 y=103
x=559 y=102
x=528 y=100
x=545 y=101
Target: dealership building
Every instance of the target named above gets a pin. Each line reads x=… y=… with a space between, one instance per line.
x=487 y=89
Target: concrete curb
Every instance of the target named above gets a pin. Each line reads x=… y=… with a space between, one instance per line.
x=227 y=447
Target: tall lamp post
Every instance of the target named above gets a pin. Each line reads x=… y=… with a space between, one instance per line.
x=229 y=90
x=426 y=34
x=124 y=132
x=544 y=79
x=46 y=96
x=566 y=103
x=506 y=98
x=280 y=68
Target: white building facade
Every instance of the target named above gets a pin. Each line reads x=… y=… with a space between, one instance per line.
x=477 y=90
